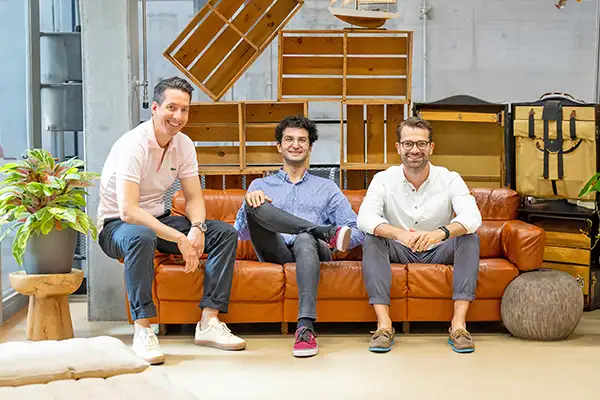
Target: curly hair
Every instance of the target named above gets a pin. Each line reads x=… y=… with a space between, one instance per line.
x=297 y=121
x=415 y=122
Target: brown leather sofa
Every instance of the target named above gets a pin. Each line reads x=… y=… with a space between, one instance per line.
x=265 y=292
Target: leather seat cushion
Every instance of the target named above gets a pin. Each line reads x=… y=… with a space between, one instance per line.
x=252 y=281
x=434 y=281
x=344 y=280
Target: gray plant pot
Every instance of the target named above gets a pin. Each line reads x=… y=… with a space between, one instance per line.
x=52 y=253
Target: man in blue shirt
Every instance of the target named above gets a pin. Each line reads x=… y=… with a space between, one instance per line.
x=293 y=216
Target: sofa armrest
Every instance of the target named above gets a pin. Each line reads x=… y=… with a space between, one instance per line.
x=523 y=244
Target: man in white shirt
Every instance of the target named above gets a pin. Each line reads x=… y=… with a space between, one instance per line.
x=407 y=214
x=133 y=222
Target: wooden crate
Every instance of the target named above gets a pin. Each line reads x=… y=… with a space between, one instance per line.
x=367 y=139
x=345 y=64
x=470 y=138
x=237 y=138
x=225 y=37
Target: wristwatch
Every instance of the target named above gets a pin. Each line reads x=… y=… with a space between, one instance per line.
x=200 y=225
x=446 y=231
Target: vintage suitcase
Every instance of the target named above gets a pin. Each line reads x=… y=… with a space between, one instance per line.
x=555 y=146
x=470 y=138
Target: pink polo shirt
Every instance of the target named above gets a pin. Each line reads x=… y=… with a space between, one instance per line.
x=136 y=157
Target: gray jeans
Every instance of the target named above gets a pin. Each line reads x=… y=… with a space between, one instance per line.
x=265 y=224
x=378 y=253
x=136 y=245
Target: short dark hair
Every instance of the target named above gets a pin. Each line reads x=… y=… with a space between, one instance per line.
x=173 y=82
x=415 y=122
x=297 y=121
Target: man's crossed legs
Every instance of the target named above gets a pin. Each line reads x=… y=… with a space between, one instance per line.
x=136 y=245
x=461 y=251
x=312 y=245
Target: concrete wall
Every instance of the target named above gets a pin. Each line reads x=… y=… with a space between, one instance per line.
x=501 y=51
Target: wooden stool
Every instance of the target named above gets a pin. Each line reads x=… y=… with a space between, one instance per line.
x=49 y=316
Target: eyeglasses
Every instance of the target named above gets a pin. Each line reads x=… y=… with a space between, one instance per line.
x=421 y=144
x=302 y=141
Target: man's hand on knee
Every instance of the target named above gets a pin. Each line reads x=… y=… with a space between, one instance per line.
x=189 y=253
x=257 y=198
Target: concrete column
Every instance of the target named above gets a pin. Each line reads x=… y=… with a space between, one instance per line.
x=111 y=108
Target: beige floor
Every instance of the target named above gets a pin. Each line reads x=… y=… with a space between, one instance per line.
x=421 y=366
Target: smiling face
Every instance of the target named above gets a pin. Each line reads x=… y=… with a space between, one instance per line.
x=414 y=147
x=295 y=146
x=172 y=114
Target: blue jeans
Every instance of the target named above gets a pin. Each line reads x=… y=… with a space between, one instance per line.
x=136 y=244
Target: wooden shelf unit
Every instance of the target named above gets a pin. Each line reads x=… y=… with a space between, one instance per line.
x=470 y=138
x=367 y=139
x=239 y=39
x=237 y=138
x=326 y=65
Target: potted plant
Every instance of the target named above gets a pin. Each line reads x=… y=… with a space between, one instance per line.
x=44 y=199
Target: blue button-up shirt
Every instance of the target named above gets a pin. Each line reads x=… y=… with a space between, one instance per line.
x=312 y=198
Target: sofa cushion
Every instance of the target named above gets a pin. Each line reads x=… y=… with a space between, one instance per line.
x=252 y=281
x=434 y=281
x=25 y=363
x=490 y=245
x=148 y=385
x=344 y=280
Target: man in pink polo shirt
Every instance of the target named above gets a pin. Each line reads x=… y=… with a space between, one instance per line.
x=133 y=222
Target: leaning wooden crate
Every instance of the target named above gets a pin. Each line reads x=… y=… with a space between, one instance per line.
x=470 y=138
x=235 y=141
x=368 y=137
x=225 y=38
x=556 y=148
x=326 y=65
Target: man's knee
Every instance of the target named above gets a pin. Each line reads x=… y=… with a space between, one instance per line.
x=254 y=210
x=469 y=240
x=373 y=242
x=145 y=238
x=305 y=242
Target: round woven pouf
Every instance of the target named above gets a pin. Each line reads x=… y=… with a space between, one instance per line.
x=542 y=305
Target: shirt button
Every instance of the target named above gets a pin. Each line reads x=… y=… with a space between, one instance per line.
x=416 y=222
x=413 y=190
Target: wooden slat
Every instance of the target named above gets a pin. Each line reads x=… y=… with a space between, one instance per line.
x=376 y=87
x=312 y=45
x=376 y=66
x=483 y=139
x=313 y=65
x=566 y=239
x=216 y=52
x=260 y=133
x=213 y=113
x=238 y=58
x=262 y=155
x=269 y=23
x=375 y=134
x=355 y=134
x=394 y=115
x=212 y=132
x=576 y=271
x=567 y=255
x=482 y=166
x=312 y=87
x=377 y=45
x=207 y=30
x=251 y=12
x=458 y=116
x=272 y=112
x=218 y=155
x=355 y=180
x=189 y=27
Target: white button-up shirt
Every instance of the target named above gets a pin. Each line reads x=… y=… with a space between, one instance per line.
x=392 y=199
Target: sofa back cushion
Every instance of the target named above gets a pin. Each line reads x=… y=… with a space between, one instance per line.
x=495 y=205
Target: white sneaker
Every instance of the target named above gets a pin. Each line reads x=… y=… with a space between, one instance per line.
x=219 y=336
x=146 y=347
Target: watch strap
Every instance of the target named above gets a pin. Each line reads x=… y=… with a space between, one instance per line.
x=446 y=231
x=200 y=225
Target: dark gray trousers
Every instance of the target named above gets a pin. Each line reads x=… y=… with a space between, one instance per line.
x=461 y=251
x=265 y=224
x=136 y=245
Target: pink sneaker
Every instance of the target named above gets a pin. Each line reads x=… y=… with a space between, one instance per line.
x=306 y=343
x=341 y=239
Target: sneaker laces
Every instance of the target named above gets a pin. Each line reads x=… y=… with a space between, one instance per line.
x=224 y=329
x=382 y=332
x=461 y=333
x=149 y=340
x=304 y=335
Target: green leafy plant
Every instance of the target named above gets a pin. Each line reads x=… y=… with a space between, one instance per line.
x=41 y=195
x=593 y=185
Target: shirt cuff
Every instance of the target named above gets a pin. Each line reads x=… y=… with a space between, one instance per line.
x=128 y=177
x=370 y=224
x=470 y=224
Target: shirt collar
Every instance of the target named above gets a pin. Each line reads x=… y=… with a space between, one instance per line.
x=285 y=177
x=430 y=178
x=148 y=128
